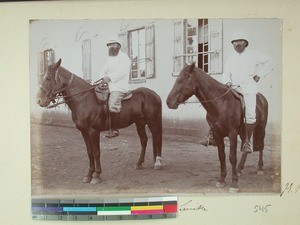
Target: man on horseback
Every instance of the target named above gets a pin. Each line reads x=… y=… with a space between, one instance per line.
x=242 y=71
x=116 y=73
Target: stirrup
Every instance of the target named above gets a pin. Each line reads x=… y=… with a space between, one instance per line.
x=112 y=134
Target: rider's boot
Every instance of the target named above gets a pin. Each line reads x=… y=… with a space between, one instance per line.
x=247 y=147
x=114 y=121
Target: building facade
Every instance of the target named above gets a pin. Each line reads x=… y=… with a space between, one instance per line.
x=158 y=50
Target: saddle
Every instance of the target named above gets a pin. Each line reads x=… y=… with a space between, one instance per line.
x=102 y=92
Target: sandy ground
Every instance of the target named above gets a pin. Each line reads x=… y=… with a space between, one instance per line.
x=59 y=163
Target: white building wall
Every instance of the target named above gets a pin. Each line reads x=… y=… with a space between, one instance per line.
x=65 y=37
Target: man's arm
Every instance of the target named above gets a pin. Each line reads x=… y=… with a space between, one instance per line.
x=226 y=76
x=265 y=66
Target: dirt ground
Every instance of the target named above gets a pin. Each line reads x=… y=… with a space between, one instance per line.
x=59 y=163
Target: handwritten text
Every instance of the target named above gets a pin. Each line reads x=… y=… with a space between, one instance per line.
x=192 y=206
x=290 y=188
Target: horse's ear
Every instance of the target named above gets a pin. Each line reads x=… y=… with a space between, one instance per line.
x=56 y=65
x=191 y=67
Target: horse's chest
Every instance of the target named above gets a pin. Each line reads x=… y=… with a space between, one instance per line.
x=77 y=122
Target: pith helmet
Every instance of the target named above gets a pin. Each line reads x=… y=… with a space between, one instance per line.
x=113 y=38
x=240 y=35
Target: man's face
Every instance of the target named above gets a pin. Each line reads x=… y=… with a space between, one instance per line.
x=113 y=49
x=239 y=45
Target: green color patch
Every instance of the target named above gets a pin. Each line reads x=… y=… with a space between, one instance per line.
x=114 y=208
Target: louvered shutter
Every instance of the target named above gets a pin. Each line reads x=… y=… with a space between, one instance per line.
x=150 y=54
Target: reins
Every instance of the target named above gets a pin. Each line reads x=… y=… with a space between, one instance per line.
x=61 y=90
x=217 y=98
x=210 y=100
x=68 y=96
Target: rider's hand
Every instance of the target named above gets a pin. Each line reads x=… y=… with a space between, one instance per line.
x=106 y=79
x=256 y=78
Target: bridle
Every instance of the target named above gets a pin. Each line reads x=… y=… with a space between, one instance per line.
x=194 y=90
x=51 y=95
x=51 y=92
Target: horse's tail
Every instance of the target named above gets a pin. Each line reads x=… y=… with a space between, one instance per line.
x=261 y=122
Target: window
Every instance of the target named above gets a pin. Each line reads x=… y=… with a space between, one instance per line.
x=210 y=45
x=46 y=58
x=137 y=54
x=86 y=60
x=198 y=41
x=141 y=52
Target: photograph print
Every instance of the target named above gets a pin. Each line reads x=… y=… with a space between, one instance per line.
x=155 y=106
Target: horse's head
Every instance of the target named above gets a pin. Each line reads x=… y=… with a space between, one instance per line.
x=183 y=87
x=50 y=86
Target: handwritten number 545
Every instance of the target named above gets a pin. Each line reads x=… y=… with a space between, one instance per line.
x=262 y=209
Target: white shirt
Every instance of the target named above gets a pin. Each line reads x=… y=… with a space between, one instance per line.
x=117 y=68
x=241 y=68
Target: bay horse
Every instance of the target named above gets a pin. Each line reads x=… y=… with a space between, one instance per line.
x=224 y=115
x=90 y=117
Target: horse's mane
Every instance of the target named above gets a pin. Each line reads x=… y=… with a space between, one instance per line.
x=209 y=78
x=64 y=71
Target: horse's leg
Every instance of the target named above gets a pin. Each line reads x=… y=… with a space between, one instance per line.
x=233 y=160
x=242 y=163
x=95 y=143
x=221 y=152
x=244 y=155
x=156 y=132
x=140 y=126
x=88 y=177
x=260 y=170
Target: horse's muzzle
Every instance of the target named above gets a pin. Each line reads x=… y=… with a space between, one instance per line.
x=172 y=105
x=41 y=99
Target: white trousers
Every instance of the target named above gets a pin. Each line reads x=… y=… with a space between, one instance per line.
x=250 y=103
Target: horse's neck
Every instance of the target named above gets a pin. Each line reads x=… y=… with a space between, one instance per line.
x=76 y=89
x=207 y=89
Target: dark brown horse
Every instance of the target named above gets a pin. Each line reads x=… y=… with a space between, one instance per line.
x=224 y=115
x=143 y=108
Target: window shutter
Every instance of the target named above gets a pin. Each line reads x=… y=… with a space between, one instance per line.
x=178 y=57
x=124 y=42
x=150 y=54
x=216 y=47
x=86 y=60
x=46 y=58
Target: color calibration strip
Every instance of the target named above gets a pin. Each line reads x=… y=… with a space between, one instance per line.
x=104 y=209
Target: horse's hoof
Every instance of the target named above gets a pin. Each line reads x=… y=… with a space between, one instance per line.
x=260 y=172
x=138 y=167
x=87 y=179
x=233 y=190
x=95 y=181
x=158 y=163
x=220 y=184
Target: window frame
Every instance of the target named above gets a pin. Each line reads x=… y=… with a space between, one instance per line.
x=149 y=50
x=183 y=57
